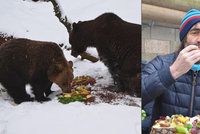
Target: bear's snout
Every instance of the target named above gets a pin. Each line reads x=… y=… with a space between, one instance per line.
x=74 y=53
x=66 y=88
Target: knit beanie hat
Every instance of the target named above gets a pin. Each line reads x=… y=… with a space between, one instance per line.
x=190 y=19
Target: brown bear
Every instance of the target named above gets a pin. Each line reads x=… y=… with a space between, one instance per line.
x=24 y=61
x=118 y=44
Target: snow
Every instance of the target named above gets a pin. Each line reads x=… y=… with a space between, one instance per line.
x=76 y=118
x=36 y=20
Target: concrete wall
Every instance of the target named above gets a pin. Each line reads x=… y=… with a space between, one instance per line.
x=158 y=40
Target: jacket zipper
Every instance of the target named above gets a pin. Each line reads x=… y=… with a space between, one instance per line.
x=192 y=95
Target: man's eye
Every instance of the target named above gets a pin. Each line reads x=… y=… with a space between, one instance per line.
x=194 y=32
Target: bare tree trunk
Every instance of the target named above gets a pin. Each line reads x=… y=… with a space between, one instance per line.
x=63 y=19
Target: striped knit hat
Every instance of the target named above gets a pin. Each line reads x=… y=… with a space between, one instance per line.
x=190 y=18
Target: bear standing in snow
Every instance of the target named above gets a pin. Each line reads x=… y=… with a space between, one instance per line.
x=24 y=61
x=118 y=44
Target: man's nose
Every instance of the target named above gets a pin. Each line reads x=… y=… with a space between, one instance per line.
x=198 y=38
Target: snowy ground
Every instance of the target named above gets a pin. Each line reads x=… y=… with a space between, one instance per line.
x=36 y=20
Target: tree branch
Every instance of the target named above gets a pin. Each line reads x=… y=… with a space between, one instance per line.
x=89 y=57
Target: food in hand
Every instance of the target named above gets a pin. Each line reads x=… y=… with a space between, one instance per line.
x=144 y=115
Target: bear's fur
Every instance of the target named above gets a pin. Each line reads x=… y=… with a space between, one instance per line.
x=24 y=61
x=118 y=44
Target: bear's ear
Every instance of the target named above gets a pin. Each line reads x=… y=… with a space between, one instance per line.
x=71 y=64
x=79 y=22
x=74 y=25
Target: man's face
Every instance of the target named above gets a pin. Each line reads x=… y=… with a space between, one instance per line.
x=193 y=36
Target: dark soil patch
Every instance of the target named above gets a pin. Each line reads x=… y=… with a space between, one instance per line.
x=107 y=95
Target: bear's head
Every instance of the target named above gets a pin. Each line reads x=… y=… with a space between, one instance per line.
x=61 y=73
x=78 y=39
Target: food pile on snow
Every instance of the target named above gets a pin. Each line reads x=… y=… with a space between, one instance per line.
x=83 y=80
x=81 y=90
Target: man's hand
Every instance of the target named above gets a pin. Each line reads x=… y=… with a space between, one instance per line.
x=186 y=58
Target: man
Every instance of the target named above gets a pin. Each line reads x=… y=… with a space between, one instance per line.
x=173 y=81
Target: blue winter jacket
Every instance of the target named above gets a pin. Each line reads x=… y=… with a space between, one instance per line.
x=181 y=96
